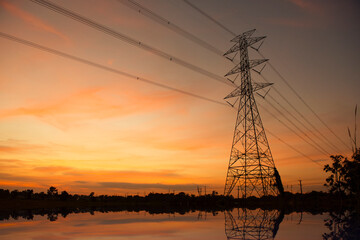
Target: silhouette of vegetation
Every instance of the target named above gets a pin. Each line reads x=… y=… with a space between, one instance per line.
x=52 y=191
x=180 y=202
x=26 y=203
x=344 y=178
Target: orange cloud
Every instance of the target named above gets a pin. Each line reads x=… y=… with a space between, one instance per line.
x=185 y=144
x=93 y=103
x=12 y=146
x=28 y=174
x=32 y=20
x=52 y=169
x=7 y=149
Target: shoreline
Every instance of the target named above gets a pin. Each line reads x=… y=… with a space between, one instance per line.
x=314 y=202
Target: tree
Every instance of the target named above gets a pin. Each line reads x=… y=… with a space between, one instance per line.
x=14 y=194
x=344 y=174
x=52 y=191
x=64 y=195
x=352 y=176
x=336 y=182
x=28 y=193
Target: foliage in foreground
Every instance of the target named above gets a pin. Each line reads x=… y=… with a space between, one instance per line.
x=344 y=178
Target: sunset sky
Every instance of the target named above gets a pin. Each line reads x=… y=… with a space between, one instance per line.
x=84 y=129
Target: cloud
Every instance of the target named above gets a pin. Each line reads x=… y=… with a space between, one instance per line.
x=52 y=169
x=117 y=174
x=32 y=20
x=7 y=149
x=25 y=174
x=141 y=186
x=14 y=146
x=93 y=103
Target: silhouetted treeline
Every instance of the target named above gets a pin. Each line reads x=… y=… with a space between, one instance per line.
x=313 y=201
x=180 y=202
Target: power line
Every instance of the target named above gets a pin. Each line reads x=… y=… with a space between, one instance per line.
x=81 y=19
x=165 y=22
x=209 y=17
x=303 y=101
x=301 y=153
x=292 y=130
x=297 y=120
x=272 y=67
x=122 y=37
x=301 y=131
x=65 y=55
x=324 y=139
x=90 y=63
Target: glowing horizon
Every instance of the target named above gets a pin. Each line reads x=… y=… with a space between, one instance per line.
x=83 y=129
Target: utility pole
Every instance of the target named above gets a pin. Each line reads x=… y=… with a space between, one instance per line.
x=300 y=187
x=251 y=165
x=199 y=190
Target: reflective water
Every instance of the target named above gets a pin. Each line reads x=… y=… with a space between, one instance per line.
x=237 y=224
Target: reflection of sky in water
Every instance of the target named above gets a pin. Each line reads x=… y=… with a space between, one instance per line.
x=142 y=225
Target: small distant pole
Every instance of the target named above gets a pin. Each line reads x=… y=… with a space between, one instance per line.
x=238 y=192
x=300 y=187
x=199 y=190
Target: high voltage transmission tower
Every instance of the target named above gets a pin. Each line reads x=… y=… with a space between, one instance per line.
x=251 y=165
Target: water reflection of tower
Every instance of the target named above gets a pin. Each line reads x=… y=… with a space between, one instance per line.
x=256 y=224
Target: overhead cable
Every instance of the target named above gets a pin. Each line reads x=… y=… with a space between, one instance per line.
x=165 y=22
x=93 y=64
x=113 y=70
x=272 y=67
x=77 y=17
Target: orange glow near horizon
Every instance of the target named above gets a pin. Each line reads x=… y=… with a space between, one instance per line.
x=83 y=129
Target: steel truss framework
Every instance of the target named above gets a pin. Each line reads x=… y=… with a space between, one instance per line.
x=251 y=165
x=256 y=224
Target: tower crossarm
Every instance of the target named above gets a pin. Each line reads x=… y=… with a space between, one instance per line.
x=246 y=34
x=242 y=91
x=233 y=49
x=242 y=67
x=257 y=86
x=249 y=41
x=254 y=40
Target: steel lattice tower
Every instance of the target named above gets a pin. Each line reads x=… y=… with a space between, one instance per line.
x=251 y=165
